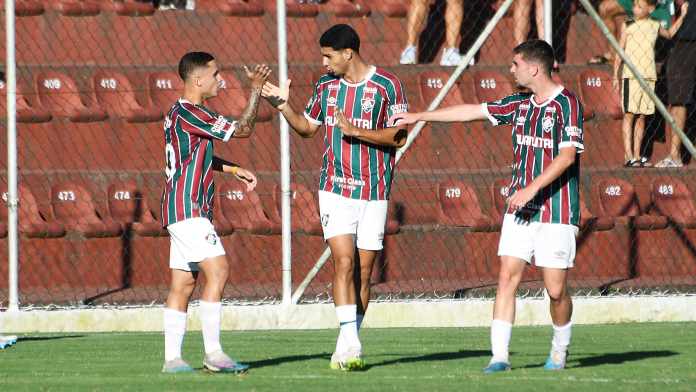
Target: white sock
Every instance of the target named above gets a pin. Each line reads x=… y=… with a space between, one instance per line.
x=500 y=340
x=348 y=336
x=561 y=337
x=174 y=330
x=359 y=319
x=211 y=314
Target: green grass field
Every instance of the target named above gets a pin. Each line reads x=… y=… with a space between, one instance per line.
x=626 y=357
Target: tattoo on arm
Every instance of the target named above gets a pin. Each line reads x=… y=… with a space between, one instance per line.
x=400 y=135
x=275 y=101
x=248 y=119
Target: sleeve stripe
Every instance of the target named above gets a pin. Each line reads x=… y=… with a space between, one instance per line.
x=311 y=120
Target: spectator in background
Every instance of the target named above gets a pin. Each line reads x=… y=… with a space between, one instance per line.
x=521 y=24
x=638 y=38
x=610 y=10
x=681 y=81
x=415 y=22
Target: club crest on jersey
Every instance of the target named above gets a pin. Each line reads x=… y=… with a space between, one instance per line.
x=331 y=101
x=547 y=124
x=367 y=104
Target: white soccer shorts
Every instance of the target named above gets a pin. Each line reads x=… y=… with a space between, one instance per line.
x=551 y=244
x=365 y=219
x=192 y=241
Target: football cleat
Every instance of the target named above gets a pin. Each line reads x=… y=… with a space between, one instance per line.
x=348 y=361
x=7 y=341
x=176 y=365
x=219 y=362
x=496 y=367
x=556 y=361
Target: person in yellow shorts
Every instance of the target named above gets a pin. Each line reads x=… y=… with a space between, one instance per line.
x=638 y=39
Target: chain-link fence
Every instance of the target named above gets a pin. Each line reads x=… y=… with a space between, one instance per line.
x=95 y=78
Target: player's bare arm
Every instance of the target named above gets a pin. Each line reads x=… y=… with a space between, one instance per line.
x=395 y=136
x=278 y=98
x=243 y=175
x=617 y=59
x=257 y=77
x=669 y=33
x=560 y=164
x=464 y=112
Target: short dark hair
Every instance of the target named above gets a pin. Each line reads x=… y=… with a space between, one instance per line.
x=340 y=36
x=191 y=61
x=537 y=50
x=652 y=3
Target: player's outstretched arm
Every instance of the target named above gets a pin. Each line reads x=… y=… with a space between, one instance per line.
x=278 y=98
x=248 y=119
x=395 y=136
x=240 y=173
x=464 y=112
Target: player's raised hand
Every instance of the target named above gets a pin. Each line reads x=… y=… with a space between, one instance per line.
x=276 y=96
x=246 y=177
x=258 y=76
x=684 y=7
x=346 y=127
x=404 y=118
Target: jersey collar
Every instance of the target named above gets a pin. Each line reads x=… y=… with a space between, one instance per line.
x=551 y=98
x=371 y=72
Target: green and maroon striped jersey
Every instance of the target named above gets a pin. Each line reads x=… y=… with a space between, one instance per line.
x=189 y=131
x=351 y=167
x=539 y=131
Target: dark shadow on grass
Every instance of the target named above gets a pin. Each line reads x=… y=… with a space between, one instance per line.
x=290 y=358
x=432 y=357
x=611 y=359
x=39 y=338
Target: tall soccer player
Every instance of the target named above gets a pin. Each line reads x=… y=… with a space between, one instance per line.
x=187 y=202
x=543 y=204
x=353 y=102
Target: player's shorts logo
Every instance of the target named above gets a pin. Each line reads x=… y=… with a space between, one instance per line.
x=367 y=104
x=324 y=220
x=212 y=238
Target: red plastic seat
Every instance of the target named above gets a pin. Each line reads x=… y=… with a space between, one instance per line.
x=491 y=85
x=59 y=94
x=414 y=201
x=672 y=198
x=75 y=7
x=460 y=206
x=25 y=112
x=31 y=222
x=615 y=199
x=116 y=94
x=27 y=7
x=598 y=96
x=392 y=8
x=232 y=100
x=293 y=8
x=165 y=89
x=243 y=209
x=128 y=7
x=232 y=7
x=431 y=82
x=128 y=206
x=347 y=8
x=73 y=206
x=305 y=209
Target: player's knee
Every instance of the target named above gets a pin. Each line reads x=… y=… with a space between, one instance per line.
x=556 y=294
x=344 y=265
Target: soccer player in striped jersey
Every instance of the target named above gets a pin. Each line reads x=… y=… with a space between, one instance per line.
x=543 y=205
x=187 y=202
x=353 y=102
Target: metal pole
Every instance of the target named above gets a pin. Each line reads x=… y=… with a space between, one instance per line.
x=548 y=21
x=12 y=197
x=419 y=126
x=284 y=158
x=641 y=81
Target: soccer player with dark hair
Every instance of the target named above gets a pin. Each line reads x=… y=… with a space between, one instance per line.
x=187 y=202
x=543 y=204
x=353 y=102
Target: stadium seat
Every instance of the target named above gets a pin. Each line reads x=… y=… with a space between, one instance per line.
x=415 y=201
x=129 y=207
x=392 y=8
x=27 y=7
x=431 y=82
x=673 y=199
x=305 y=209
x=75 y=7
x=293 y=8
x=31 y=222
x=347 y=8
x=460 y=206
x=165 y=89
x=232 y=100
x=598 y=96
x=232 y=7
x=128 y=7
x=73 y=206
x=615 y=199
x=116 y=94
x=59 y=94
x=603 y=144
x=491 y=85
x=243 y=209
x=26 y=113
x=497 y=49
x=470 y=146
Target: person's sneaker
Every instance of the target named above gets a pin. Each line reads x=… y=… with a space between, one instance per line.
x=219 y=362
x=408 y=56
x=556 y=361
x=450 y=57
x=348 y=361
x=669 y=162
x=496 y=367
x=176 y=365
x=7 y=341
